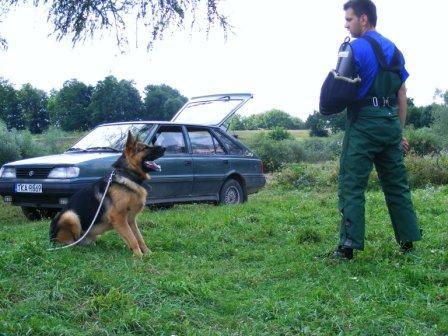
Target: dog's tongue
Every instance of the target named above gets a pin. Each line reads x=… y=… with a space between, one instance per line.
x=153 y=166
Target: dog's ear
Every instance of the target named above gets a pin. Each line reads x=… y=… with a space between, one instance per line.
x=130 y=143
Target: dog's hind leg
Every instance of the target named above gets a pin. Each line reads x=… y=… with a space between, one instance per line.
x=137 y=233
x=120 y=224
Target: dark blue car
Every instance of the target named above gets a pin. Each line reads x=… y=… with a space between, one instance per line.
x=202 y=162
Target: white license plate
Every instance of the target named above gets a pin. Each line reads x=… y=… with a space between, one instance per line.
x=29 y=188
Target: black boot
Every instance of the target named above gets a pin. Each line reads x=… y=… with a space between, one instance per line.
x=342 y=253
x=406 y=247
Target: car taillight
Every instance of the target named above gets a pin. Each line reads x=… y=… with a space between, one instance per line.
x=262 y=167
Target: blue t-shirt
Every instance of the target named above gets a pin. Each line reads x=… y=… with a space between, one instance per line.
x=367 y=63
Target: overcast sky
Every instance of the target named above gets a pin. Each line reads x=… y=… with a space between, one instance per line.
x=280 y=51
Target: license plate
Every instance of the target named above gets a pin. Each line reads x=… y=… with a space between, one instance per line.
x=29 y=188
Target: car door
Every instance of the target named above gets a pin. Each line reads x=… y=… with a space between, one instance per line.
x=210 y=163
x=175 y=180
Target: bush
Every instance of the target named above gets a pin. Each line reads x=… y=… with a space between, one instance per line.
x=54 y=139
x=323 y=149
x=423 y=141
x=275 y=154
x=16 y=145
x=279 y=133
x=440 y=125
x=427 y=170
x=422 y=171
x=301 y=176
x=9 y=150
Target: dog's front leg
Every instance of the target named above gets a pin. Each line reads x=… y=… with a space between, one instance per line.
x=137 y=233
x=120 y=224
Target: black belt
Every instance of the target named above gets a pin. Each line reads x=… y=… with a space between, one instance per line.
x=378 y=102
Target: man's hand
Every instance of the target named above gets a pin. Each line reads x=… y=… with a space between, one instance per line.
x=405 y=145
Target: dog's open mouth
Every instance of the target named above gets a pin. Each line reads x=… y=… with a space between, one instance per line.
x=152 y=166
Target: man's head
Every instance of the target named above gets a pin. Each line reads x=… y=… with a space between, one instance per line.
x=360 y=16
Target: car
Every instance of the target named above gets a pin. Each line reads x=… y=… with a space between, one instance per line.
x=202 y=161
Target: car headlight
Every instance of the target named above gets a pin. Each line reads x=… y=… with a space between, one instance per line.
x=7 y=172
x=64 y=172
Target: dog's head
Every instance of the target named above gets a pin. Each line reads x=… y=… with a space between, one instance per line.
x=139 y=157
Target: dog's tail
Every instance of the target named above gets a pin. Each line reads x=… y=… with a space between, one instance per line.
x=65 y=228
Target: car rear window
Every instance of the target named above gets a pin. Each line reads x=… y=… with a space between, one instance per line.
x=231 y=147
x=202 y=142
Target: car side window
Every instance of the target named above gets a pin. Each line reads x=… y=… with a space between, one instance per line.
x=202 y=142
x=230 y=146
x=172 y=138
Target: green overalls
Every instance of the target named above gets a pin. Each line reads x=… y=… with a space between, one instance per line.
x=373 y=136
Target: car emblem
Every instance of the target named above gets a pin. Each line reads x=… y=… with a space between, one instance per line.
x=31 y=173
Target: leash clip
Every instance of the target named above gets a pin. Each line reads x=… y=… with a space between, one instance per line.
x=111 y=177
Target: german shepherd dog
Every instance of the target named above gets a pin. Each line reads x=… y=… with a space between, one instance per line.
x=124 y=199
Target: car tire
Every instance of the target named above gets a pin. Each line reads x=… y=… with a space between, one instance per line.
x=231 y=193
x=35 y=214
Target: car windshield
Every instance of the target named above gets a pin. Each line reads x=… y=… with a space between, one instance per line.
x=110 y=138
x=207 y=112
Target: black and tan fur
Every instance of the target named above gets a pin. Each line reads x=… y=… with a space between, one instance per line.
x=124 y=199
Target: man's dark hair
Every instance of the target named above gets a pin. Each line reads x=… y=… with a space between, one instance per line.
x=361 y=7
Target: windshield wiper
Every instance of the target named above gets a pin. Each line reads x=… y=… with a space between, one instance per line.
x=103 y=149
x=75 y=149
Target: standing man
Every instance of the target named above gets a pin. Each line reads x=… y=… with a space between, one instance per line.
x=373 y=135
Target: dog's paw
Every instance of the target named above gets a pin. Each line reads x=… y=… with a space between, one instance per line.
x=137 y=253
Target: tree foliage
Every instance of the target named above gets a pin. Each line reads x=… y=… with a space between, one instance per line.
x=267 y=120
x=79 y=20
x=10 y=112
x=317 y=124
x=69 y=106
x=161 y=102
x=33 y=105
x=114 y=100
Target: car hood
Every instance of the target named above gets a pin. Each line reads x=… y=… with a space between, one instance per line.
x=211 y=110
x=63 y=159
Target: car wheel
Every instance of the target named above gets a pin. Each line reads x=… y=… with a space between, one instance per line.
x=231 y=193
x=35 y=214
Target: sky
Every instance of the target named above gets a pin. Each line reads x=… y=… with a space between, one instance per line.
x=281 y=51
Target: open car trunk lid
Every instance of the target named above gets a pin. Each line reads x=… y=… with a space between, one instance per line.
x=211 y=110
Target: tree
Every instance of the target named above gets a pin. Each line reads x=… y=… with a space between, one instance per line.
x=276 y=118
x=9 y=107
x=442 y=94
x=161 y=102
x=236 y=123
x=33 y=105
x=336 y=122
x=297 y=124
x=114 y=100
x=440 y=125
x=317 y=125
x=68 y=106
x=82 y=19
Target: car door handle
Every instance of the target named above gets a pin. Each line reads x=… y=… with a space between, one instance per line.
x=225 y=161
x=187 y=163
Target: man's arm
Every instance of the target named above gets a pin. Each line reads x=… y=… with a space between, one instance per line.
x=402 y=104
x=402 y=110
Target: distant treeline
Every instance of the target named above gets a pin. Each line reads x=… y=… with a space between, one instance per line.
x=77 y=106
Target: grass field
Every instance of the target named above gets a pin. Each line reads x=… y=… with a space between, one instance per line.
x=297 y=134
x=254 y=269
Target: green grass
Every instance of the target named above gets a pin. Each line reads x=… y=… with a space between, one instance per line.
x=254 y=269
x=244 y=135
